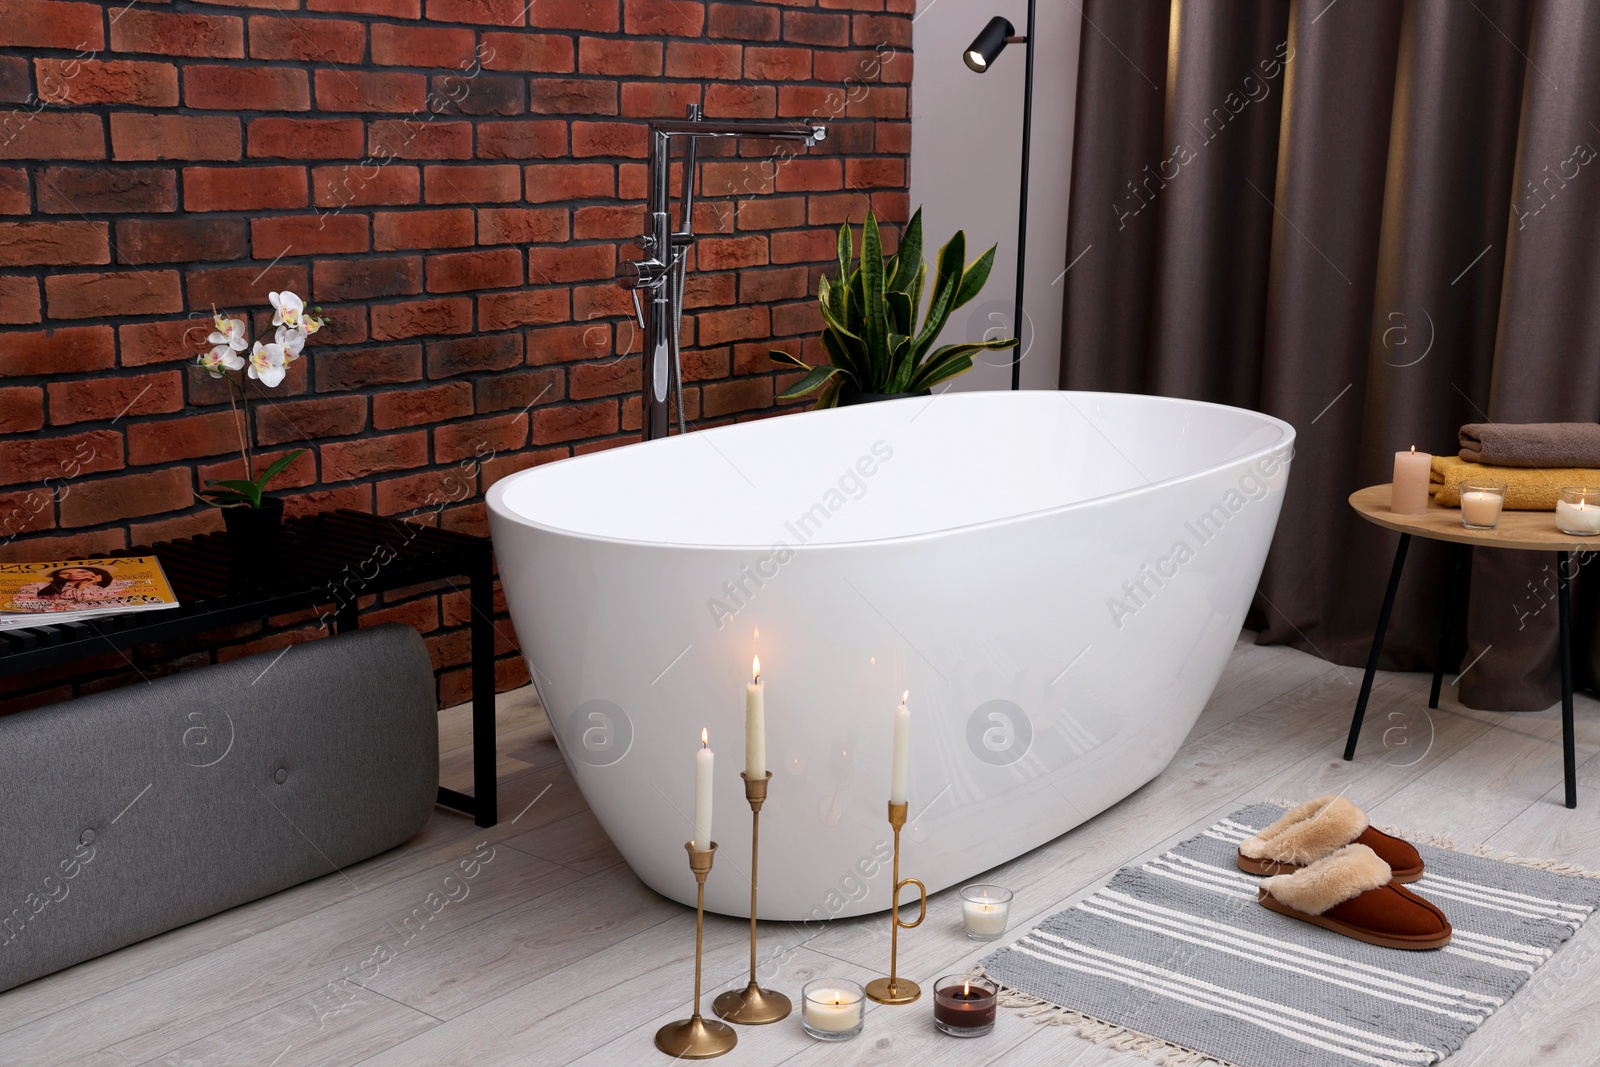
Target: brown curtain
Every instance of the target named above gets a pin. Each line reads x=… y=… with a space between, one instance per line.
x=1377 y=221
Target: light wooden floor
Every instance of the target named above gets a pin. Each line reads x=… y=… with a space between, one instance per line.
x=557 y=955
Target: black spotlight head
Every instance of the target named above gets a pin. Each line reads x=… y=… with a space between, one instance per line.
x=989 y=44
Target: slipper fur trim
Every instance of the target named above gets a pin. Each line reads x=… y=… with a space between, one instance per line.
x=1345 y=875
x=1308 y=832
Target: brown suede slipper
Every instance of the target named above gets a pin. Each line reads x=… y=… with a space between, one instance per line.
x=1350 y=893
x=1308 y=832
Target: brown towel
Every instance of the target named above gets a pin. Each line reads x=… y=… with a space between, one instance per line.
x=1532 y=444
x=1526 y=490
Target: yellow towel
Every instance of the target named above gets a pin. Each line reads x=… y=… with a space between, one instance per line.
x=1527 y=488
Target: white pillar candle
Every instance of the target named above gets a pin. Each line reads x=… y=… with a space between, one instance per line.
x=1411 y=474
x=1579 y=518
x=755 y=725
x=833 y=1010
x=900 y=769
x=702 y=793
x=1480 y=508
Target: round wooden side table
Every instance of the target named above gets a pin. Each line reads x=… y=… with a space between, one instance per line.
x=1526 y=531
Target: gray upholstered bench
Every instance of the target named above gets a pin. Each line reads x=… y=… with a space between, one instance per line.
x=134 y=811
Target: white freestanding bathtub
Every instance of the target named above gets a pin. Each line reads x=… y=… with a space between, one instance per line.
x=1058 y=578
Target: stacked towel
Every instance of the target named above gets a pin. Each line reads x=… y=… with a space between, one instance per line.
x=1526 y=489
x=1532 y=444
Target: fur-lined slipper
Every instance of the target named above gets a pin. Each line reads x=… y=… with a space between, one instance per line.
x=1350 y=893
x=1318 y=828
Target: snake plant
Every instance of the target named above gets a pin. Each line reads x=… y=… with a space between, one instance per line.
x=871 y=333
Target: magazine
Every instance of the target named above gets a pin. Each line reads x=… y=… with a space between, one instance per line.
x=38 y=594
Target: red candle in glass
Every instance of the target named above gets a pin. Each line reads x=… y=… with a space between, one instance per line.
x=964 y=1006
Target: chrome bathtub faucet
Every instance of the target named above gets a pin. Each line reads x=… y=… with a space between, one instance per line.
x=662 y=263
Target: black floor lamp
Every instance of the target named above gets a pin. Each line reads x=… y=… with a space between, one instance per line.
x=980 y=56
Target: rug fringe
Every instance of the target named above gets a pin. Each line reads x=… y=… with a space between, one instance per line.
x=1164 y=1053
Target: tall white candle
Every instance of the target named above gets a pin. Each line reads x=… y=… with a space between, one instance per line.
x=755 y=725
x=702 y=794
x=1409 y=495
x=900 y=769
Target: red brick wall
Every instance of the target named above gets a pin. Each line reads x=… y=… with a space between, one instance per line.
x=454 y=181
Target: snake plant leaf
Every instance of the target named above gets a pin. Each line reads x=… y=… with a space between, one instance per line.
x=846 y=249
x=952 y=261
x=903 y=368
x=785 y=359
x=932 y=375
x=936 y=367
x=908 y=261
x=810 y=383
x=829 y=397
x=915 y=291
x=873 y=308
x=900 y=312
x=843 y=357
x=277 y=466
x=976 y=274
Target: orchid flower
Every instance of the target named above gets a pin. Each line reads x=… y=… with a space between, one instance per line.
x=223 y=357
x=292 y=341
x=231 y=333
x=310 y=324
x=267 y=364
x=287 y=309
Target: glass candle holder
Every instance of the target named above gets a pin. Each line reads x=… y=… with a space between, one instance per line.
x=984 y=911
x=832 y=1009
x=1481 y=503
x=964 y=1006
x=1578 y=511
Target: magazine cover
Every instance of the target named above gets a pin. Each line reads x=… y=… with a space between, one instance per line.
x=81 y=588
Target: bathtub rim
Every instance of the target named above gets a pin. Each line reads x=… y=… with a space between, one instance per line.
x=1287 y=435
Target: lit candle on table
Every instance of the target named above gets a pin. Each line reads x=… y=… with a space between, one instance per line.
x=831 y=1008
x=1412 y=471
x=984 y=911
x=1577 y=512
x=900 y=769
x=755 y=725
x=702 y=794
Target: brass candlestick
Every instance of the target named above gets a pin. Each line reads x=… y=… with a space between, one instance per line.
x=894 y=989
x=752 y=1005
x=694 y=1038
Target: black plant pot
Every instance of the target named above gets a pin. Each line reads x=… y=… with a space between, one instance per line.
x=253 y=536
x=849 y=398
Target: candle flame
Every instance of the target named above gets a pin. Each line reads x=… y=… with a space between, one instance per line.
x=966 y=989
x=905 y=696
x=705 y=738
x=755 y=668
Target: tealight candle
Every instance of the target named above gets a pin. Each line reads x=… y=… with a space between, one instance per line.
x=1578 y=511
x=984 y=911
x=1481 y=503
x=831 y=1009
x=1412 y=471
x=964 y=1006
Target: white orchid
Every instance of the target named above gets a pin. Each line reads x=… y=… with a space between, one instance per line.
x=292 y=341
x=310 y=324
x=221 y=358
x=287 y=309
x=267 y=364
x=231 y=333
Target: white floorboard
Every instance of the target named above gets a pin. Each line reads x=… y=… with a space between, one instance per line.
x=558 y=955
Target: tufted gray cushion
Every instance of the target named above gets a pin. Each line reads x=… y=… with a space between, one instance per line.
x=134 y=811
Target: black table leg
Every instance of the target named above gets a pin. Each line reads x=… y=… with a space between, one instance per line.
x=1377 y=646
x=1568 y=744
x=483 y=741
x=1452 y=599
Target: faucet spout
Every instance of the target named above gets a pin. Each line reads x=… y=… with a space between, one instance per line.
x=660 y=269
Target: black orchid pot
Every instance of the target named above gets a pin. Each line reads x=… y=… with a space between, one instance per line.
x=849 y=397
x=253 y=536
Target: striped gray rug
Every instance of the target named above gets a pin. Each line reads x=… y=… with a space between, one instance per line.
x=1176 y=959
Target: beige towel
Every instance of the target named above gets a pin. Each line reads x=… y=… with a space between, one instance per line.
x=1532 y=444
x=1526 y=489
